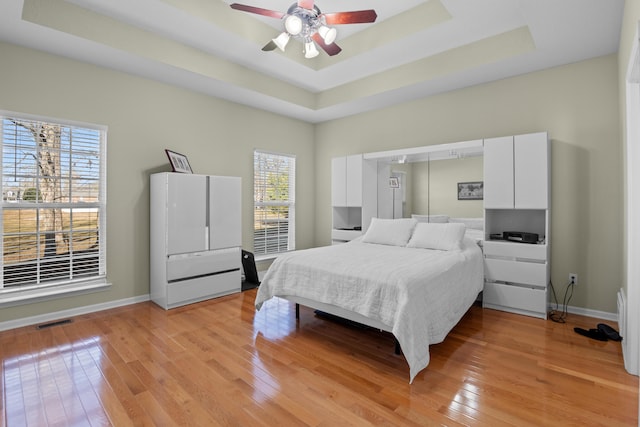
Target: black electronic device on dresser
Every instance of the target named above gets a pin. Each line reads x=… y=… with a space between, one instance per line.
x=516 y=236
x=520 y=236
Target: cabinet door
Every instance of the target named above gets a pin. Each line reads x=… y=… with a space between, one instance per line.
x=186 y=213
x=531 y=178
x=354 y=180
x=498 y=173
x=224 y=212
x=369 y=192
x=339 y=181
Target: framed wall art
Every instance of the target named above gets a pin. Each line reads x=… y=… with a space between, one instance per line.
x=470 y=190
x=179 y=162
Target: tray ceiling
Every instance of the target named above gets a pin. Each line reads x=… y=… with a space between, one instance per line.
x=415 y=49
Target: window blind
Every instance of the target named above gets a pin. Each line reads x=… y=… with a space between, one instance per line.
x=53 y=202
x=274 y=203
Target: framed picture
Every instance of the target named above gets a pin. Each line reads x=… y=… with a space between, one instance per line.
x=179 y=162
x=394 y=182
x=470 y=190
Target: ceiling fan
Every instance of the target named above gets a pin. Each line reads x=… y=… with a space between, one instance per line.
x=304 y=21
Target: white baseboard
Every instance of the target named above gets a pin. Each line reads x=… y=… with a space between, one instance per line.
x=592 y=313
x=48 y=317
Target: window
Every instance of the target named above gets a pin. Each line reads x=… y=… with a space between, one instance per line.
x=274 y=177
x=53 y=207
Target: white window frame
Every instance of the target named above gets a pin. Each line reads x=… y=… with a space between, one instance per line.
x=29 y=293
x=259 y=202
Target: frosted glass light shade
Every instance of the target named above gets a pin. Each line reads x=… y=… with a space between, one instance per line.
x=327 y=34
x=282 y=40
x=293 y=25
x=310 y=50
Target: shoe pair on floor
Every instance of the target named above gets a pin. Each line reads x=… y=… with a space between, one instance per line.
x=602 y=333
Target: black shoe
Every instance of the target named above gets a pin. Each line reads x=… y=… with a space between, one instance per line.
x=611 y=333
x=596 y=334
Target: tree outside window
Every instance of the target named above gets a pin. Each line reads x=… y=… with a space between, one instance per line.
x=52 y=203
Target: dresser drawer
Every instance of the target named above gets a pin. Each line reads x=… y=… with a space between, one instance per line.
x=503 y=270
x=345 y=235
x=196 y=264
x=516 y=299
x=201 y=288
x=514 y=250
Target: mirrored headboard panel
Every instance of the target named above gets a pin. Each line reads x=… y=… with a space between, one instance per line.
x=448 y=187
x=445 y=179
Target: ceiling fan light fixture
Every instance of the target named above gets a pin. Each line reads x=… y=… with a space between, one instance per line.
x=327 y=34
x=293 y=25
x=310 y=50
x=282 y=40
x=306 y=23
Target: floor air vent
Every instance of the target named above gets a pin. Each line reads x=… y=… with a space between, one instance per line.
x=56 y=323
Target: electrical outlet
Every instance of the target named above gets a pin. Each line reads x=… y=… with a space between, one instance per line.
x=573 y=278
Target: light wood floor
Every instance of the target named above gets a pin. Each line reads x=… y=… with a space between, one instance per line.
x=221 y=363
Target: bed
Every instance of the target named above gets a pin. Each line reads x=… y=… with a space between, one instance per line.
x=413 y=280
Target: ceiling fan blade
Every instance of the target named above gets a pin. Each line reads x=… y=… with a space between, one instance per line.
x=305 y=4
x=354 y=17
x=331 y=49
x=257 y=10
x=269 y=46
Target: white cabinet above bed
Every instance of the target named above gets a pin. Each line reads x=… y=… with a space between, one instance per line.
x=516 y=172
x=350 y=197
x=346 y=181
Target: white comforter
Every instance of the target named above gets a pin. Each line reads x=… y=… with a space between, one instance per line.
x=420 y=294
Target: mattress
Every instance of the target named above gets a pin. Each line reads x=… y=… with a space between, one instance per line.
x=418 y=294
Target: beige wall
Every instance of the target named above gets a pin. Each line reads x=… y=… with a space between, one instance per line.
x=144 y=118
x=577 y=104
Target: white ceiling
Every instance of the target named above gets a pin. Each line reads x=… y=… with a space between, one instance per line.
x=416 y=48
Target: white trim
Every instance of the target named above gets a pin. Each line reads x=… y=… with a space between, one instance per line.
x=24 y=292
x=273 y=153
x=34 y=320
x=65 y=122
x=418 y=154
x=11 y=297
x=268 y=257
x=597 y=314
x=42 y=318
x=631 y=343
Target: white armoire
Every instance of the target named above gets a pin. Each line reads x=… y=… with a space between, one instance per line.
x=195 y=237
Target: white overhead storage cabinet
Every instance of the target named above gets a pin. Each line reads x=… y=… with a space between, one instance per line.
x=346 y=197
x=516 y=172
x=195 y=237
x=346 y=181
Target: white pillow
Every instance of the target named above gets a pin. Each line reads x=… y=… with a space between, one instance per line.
x=431 y=218
x=444 y=237
x=475 y=223
x=396 y=232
